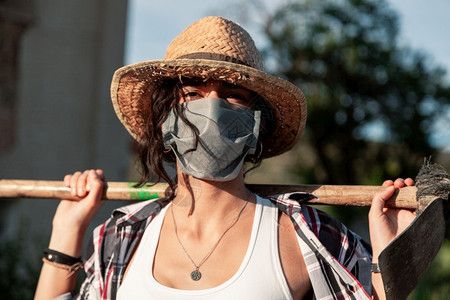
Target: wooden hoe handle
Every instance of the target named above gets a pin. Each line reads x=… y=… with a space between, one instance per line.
x=347 y=195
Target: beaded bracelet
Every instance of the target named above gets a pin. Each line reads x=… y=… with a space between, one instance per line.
x=72 y=269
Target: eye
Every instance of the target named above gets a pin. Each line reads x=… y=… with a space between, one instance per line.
x=190 y=94
x=239 y=98
x=236 y=96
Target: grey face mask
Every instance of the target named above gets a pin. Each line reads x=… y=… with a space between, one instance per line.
x=227 y=133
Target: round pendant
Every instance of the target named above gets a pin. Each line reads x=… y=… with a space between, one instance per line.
x=196 y=275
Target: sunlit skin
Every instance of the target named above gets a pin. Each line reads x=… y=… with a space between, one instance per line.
x=385 y=224
x=198 y=89
x=216 y=204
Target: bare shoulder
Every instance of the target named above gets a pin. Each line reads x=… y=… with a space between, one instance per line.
x=291 y=257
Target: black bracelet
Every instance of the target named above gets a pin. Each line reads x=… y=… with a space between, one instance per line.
x=60 y=258
x=375 y=268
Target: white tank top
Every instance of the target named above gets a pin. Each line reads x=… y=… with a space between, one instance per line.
x=260 y=275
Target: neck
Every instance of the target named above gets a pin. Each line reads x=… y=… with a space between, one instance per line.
x=205 y=201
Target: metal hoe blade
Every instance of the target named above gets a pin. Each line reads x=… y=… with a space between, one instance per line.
x=406 y=259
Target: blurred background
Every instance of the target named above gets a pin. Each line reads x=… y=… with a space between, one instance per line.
x=374 y=73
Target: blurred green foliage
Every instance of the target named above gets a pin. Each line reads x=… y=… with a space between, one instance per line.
x=372 y=103
x=346 y=58
x=436 y=283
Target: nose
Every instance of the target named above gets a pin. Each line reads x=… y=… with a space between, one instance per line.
x=214 y=89
x=214 y=94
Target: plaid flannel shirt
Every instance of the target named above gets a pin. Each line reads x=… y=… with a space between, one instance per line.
x=337 y=260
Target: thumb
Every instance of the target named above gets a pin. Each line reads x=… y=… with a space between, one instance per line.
x=95 y=185
x=379 y=200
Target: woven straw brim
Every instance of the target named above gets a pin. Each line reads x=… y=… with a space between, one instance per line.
x=131 y=86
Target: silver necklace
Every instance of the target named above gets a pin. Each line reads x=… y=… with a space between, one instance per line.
x=196 y=274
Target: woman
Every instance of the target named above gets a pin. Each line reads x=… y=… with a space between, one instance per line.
x=209 y=107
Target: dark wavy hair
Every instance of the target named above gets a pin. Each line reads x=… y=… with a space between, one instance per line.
x=152 y=152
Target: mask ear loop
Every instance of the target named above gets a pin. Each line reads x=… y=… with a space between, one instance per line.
x=255 y=159
x=167 y=147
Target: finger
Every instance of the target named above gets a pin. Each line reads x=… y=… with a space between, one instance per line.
x=96 y=184
x=387 y=183
x=67 y=180
x=101 y=174
x=81 y=184
x=399 y=182
x=409 y=182
x=379 y=200
x=98 y=174
x=73 y=184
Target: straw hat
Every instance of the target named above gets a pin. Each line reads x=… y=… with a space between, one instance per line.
x=215 y=48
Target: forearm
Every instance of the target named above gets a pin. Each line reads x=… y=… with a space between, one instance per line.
x=54 y=281
x=377 y=287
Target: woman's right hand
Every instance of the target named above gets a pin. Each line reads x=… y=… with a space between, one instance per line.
x=70 y=222
x=72 y=217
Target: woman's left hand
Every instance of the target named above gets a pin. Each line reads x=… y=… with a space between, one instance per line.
x=385 y=224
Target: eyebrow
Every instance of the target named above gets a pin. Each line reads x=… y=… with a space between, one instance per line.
x=202 y=82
